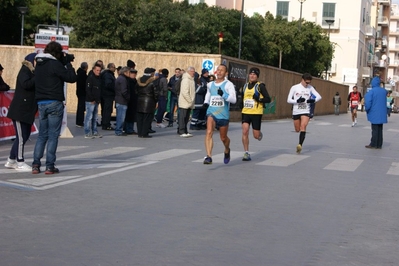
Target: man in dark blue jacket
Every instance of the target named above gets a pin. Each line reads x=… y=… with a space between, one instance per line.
x=53 y=68
x=107 y=96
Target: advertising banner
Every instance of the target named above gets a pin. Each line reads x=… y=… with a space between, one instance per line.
x=6 y=126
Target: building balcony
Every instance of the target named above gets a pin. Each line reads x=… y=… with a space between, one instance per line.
x=396 y=32
x=394 y=48
x=333 y=26
x=384 y=2
x=372 y=60
x=383 y=21
x=366 y=73
x=370 y=31
x=395 y=78
x=394 y=63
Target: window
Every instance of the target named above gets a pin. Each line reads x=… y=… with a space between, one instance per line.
x=328 y=13
x=282 y=9
x=193 y=2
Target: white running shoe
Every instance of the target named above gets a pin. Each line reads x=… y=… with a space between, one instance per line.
x=355 y=121
x=184 y=135
x=353 y=124
x=10 y=164
x=160 y=125
x=23 y=167
x=298 y=148
x=189 y=135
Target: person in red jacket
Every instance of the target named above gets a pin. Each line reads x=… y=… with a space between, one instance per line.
x=354 y=99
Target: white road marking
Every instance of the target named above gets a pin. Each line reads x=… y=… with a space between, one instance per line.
x=101 y=153
x=165 y=154
x=344 y=164
x=394 y=169
x=284 y=160
x=47 y=183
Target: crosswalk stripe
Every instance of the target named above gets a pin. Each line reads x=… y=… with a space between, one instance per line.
x=166 y=154
x=394 y=169
x=344 y=164
x=283 y=160
x=393 y=130
x=218 y=158
x=101 y=153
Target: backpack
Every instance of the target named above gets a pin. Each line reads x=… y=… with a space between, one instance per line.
x=176 y=87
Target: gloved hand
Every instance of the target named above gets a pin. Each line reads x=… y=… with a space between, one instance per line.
x=205 y=105
x=300 y=100
x=256 y=97
x=310 y=101
x=220 y=92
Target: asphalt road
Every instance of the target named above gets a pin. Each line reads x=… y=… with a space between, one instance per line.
x=130 y=201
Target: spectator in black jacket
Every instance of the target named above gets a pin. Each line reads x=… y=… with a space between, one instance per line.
x=198 y=119
x=3 y=86
x=122 y=97
x=53 y=68
x=81 y=93
x=173 y=101
x=22 y=111
x=107 y=96
x=93 y=99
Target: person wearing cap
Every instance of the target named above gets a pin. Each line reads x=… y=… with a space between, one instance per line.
x=3 y=86
x=22 y=111
x=147 y=97
x=219 y=95
x=199 y=114
x=131 y=106
x=122 y=97
x=254 y=96
x=81 y=93
x=131 y=64
x=107 y=96
x=300 y=97
x=52 y=70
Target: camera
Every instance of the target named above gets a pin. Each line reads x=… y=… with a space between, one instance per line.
x=67 y=58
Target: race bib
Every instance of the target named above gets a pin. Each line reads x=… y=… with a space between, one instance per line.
x=354 y=103
x=249 y=103
x=302 y=106
x=216 y=101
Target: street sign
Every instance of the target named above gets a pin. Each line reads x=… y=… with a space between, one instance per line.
x=208 y=64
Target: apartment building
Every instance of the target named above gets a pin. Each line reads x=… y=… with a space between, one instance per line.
x=393 y=70
x=359 y=29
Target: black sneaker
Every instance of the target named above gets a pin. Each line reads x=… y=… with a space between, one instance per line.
x=207 y=160
x=227 y=157
x=52 y=170
x=35 y=169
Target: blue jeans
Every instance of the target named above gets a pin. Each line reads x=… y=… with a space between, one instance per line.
x=91 y=118
x=173 y=102
x=50 y=121
x=120 y=118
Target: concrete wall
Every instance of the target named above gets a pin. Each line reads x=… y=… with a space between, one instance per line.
x=278 y=82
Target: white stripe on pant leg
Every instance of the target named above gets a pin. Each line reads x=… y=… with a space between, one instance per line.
x=20 y=152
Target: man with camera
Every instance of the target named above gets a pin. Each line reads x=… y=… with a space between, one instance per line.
x=53 y=68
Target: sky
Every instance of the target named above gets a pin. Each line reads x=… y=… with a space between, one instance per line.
x=395 y=1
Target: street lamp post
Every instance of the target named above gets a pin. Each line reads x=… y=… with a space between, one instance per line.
x=300 y=13
x=22 y=10
x=241 y=22
x=58 y=16
x=220 y=35
x=329 y=22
